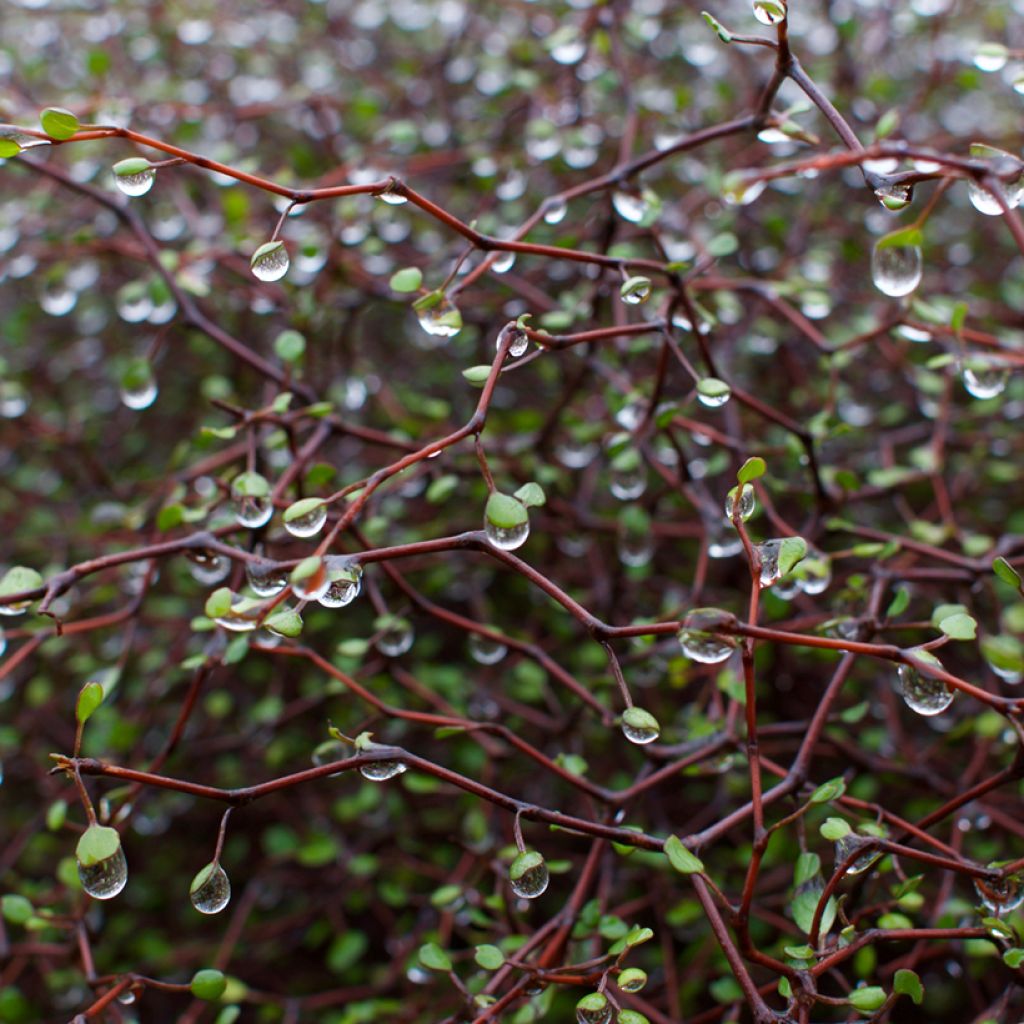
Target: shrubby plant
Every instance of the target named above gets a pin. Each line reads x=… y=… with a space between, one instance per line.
x=512 y=511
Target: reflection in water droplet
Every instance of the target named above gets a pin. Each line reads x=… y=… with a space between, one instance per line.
x=441 y=320
x=594 y=1009
x=135 y=184
x=528 y=875
x=308 y=525
x=746 y=502
x=923 y=694
x=895 y=197
x=57 y=299
x=555 y=211
x=381 y=771
x=640 y=729
x=265 y=579
x=846 y=846
x=503 y=262
x=983 y=378
x=630 y=206
x=141 y=397
x=1000 y=895
x=396 y=638
x=251 y=511
x=208 y=568
x=345 y=584
x=769 y=12
x=210 y=890
x=106 y=878
x=127 y=997
x=698 y=640
x=270 y=262
x=896 y=269
x=241 y=618
x=628 y=482
x=768 y=553
x=484 y=650
x=507 y=538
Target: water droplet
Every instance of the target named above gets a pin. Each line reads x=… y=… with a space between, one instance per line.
x=984 y=378
x=630 y=206
x=141 y=397
x=270 y=261
x=443 y=319
x=635 y=290
x=923 y=694
x=13 y=399
x=639 y=726
x=846 y=846
x=555 y=211
x=135 y=184
x=814 y=573
x=344 y=587
x=57 y=298
x=896 y=269
x=635 y=549
x=106 y=878
x=242 y=616
x=381 y=771
x=787 y=588
x=769 y=12
x=768 y=554
x=127 y=997
x=265 y=579
x=627 y=479
x=698 y=639
x=575 y=454
x=990 y=57
x=252 y=511
x=746 y=503
x=138 y=388
x=392 y=198
x=503 y=262
x=594 y=1009
x=507 y=538
x=210 y=890
x=396 y=637
x=484 y=650
x=314 y=586
x=207 y=567
x=1000 y=895
x=983 y=200
x=895 y=197
x=309 y=524
x=740 y=193
x=528 y=875
x=517 y=346
x=722 y=545
x=713 y=393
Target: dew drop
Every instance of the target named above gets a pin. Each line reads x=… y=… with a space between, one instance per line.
x=923 y=694
x=698 y=639
x=507 y=538
x=743 y=193
x=485 y=651
x=127 y=997
x=265 y=579
x=635 y=549
x=270 y=261
x=983 y=378
x=106 y=878
x=722 y=545
x=555 y=211
x=309 y=524
x=983 y=200
x=814 y=574
x=627 y=479
x=392 y=198
x=528 y=875
x=990 y=57
x=1000 y=895
x=134 y=185
x=13 y=399
x=344 y=587
x=630 y=206
x=242 y=616
x=210 y=890
x=138 y=387
x=57 y=298
x=442 y=320
x=140 y=397
x=896 y=269
x=208 y=568
x=381 y=771
x=594 y=1009
x=518 y=345
x=503 y=262
x=252 y=511
x=635 y=291
x=768 y=555
x=846 y=845
x=895 y=197
x=745 y=506
x=769 y=12
x=713 y=393
x=312 y=587
x=639 y=726
x=396 y=637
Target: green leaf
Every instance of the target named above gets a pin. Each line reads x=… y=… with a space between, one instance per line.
x=208 y=984
x=908 y=237
x=791 y=551
x=632 y=979
x=408 y=279
x=301 y=508
x=477 y=375
x=9 y=148
x=218 y=603
x=59 y=123
x=290 y=346
x=831 y=790
x=959 y=627
x=907 y=983
x=808 y=865
x=131 y=167
x=958 y=317
x=90 y=697
x=899 y=603
x=306 y=568
x=834 y=829
x=631 y=1017
x=531 y=495
x=681 y=858
x=712 y=387
x=201 y=876
x=887 y=124
x=97 y=843
x=250 y=485
x=287 y=622
x=867 y=999
x=433 y=957
x=490 y=958
x=19 y=578
x=446 y=895
x=16 y=909
x=1000 y=566
x=1012 y=957
x=723 y=33
x=505 y=512
x=751 y=469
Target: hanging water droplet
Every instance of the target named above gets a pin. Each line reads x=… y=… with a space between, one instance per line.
x=739 y=192
x=270 y=261
x=1000 y=895
x=741 y=500
x=990 y=57
x=265 y=578
x=768 y=555
x=13 y=399
x=630 y=206
x=253 y=507
x=241 y=617
x=345 y=583
x=635 y=290
x=134 y=177
x=127 y=997
x=208 y=567
x=306 y=518
x=984 y=378
x=57 y=298
x=210 y=890
x=594 y=1009
x=923 y=694
x=506 y=522
x=895 y=197
x=635 y=549
x=104 y=879
x=983 y=200
x=503 y=262
x=896 y=269
x=640 y=726
x=381 y=771
x=698 y=639
x=440 y=317
x=518 y=344
x=723 y=545
x=484 y=650
x=787 y=588
x=138 y=385
x=769 y=12
x=395 y=637
x=528 y=875
x=392 y=198
x=555 y=211
x=313 y=586
x=814 y=573
x=846 y=845
x=713 y=393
